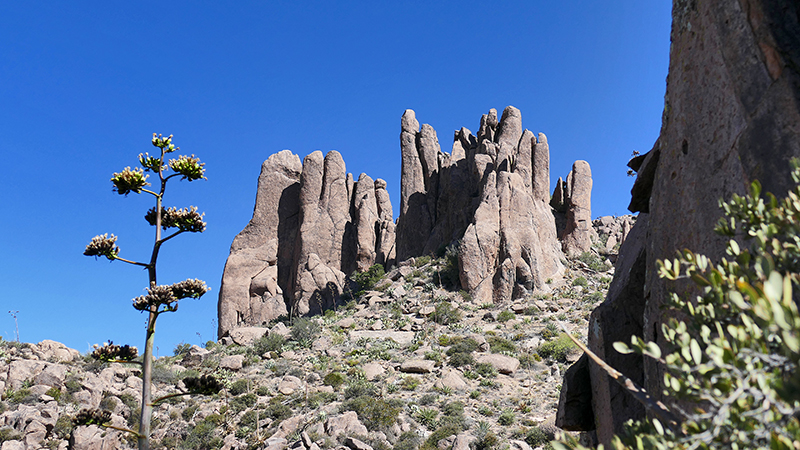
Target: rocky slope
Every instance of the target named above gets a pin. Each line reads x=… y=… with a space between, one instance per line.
x=406 y=364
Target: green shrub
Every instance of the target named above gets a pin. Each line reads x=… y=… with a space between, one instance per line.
x=448 y=273
x=462 y=345
x=580 y=281
x=557 y=349
x=334 y=379
x=54 y=392
x=409 y=440
x=485 y=439
x=421 y=261
x=536 y=437
x=427 y=417
x=239 y=387
x=593 y=261
x=367 y=279
x=204 y=435
x=444 y=314
x=409 y=383
x=461 y=359
x=594 y=297
x=360 y=388
x=486 y=370
x=505 y=316
x=277 y=411
x=304 y=331
x=506 y=418
x=500 y=345
x=242 y=402
x=271 y=342
x=181 y=349
x=443 y=432
x=9 y=434
x=549 y=332
x=375 y=413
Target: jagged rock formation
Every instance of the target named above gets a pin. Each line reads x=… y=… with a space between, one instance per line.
x=731 y=115
x=492 y=191
x=577 y=237
x=489 y=199
x=312 y=225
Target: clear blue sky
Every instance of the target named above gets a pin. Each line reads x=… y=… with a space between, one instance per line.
x=83 y=85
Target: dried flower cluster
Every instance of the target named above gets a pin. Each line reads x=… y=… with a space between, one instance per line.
x=190 y=167
x=206 y=385
x=169 y=295
x=184 y=219
x=102 y=246
x=111 y=352
x=129 y=181
x=93 y=416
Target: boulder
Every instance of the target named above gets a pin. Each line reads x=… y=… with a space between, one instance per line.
x=504 y=364
x=246 y=336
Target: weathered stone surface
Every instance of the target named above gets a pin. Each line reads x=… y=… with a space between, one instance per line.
x=414 y=223
x=346 y=423
x=232 y=362
x=478 y=254
x=504 y=364
x=558 y=202
x=575 y=402
x=578 y=232
x=264 y=246
x=365 y=221
x=404 y=338
x=417 y=366
x=245 y=336
x=55 y=351
x=355 y=444
x=731 y=116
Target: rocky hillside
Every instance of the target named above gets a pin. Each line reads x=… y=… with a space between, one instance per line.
x=407 y=363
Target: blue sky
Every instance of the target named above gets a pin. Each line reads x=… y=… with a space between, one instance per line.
x=83 y=85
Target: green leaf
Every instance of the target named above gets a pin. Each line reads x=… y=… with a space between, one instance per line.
x=622 y=348
x=697 y=354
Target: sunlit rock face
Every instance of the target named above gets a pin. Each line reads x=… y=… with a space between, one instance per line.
x=731 y=116
x=490 y=197
x=312 y=225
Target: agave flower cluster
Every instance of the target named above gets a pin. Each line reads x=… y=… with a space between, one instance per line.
x=102 y=245
x=110 y=352
x=183 y=219
x=168 y=296
x=190 y=167
x=129 y=181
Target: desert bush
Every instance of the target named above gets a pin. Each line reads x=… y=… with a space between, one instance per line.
x=278 y=411
x=271 y=342
x=359 y=388
x=505 y=315
x=444 y=314
x=304 y=331
x=239 y=387
x=485 y=439
x=506 y=418
x=593 y=261
x=735 y=353
x=427 y=417
x=242 y=402
x=204 y=436
x=580 y=281
x=501 y=345
x=375 y=413
x=367 y=279
x=334 y=379
x=557 y=349
x=409 y=440
x=461 y=359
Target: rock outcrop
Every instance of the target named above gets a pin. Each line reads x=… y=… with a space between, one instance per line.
x=731 y=116
x=491 y=193
x=577 y=237
x=312 y=225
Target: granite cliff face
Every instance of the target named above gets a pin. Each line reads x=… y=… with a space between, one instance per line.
x=491 y=194
x=311 y=225
x=731 y=116
x=488 y=199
